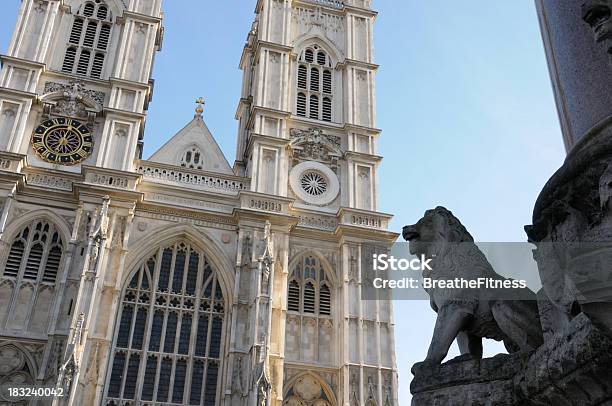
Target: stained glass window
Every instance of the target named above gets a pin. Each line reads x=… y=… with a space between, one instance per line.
x=154 y=358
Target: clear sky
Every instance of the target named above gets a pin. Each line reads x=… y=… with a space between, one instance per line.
x=464 y=101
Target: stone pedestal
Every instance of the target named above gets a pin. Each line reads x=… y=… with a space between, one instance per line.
x=573 y=368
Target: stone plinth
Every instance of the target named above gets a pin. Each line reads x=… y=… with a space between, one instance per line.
x=573 y=368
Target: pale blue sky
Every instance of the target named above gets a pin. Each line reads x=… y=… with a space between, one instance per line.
x=464 y=101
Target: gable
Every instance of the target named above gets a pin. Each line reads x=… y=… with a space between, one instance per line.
x=193 y=147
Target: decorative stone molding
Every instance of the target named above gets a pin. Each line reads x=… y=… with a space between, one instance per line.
x=110 y=178
x=185 y=202
x=10 y=162
x=50 y=181
x=72 y=99
x=362 y=218
x=314 y=144
x=318 y=222
x=262 y=202
x=181 y=216
x=107 y=180
x=328 y=3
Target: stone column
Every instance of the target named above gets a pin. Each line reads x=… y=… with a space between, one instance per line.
x=578 y=39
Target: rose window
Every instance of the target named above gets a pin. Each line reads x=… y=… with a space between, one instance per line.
x=314 y=183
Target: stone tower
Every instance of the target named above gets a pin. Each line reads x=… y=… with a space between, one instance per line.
x=308 y=135
x=179 y=279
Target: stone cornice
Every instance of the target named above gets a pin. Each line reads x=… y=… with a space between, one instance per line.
x=362 y=157
x=18 y=93
x=22 y=62
x=361 y=64
x=130 y=84
x=363 y=12
x=142 y=17
x=65 y=77
x=124 y=113
x=360 y=128
x=267 y=139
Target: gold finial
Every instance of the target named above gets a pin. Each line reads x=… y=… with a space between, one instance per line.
x=200 y=106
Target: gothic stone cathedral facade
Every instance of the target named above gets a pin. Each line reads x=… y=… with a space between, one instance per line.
x=181 y=280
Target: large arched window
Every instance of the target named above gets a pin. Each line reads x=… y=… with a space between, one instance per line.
x=27 y=284
x=314 y=85
x=309 y=288
x=88 y=40
x=168 y=342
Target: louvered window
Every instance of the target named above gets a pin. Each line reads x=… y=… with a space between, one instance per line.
x=315 y=296
x=36 y=253
x=77 y=30
x=315 y=80
x=302 y=77
x=315 y=85
x=301 y=105
x=69 y=59
x=321 y=58
x=327 y=109
x=324 y=300
x=309 y=298
x=309 y=55
x=104 y=36
x=170 y=332
x=96 y=69
x=88 y=40
x=90 y=34
x=327 y=82
x=33 y=264
x=83 y=65
x=88 y=9
x=314 y=107
x=294 y=297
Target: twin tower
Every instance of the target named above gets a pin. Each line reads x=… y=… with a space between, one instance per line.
x=182 y=279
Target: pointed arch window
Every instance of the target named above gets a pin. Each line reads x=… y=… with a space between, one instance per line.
x=89 y=35
x=309 y=288
x=170 y=332
x=315 y=85
x=29 y=276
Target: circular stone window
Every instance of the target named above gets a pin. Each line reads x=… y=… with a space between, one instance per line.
x=314 y=183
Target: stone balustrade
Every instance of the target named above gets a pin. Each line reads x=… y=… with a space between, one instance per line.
x=194 y=179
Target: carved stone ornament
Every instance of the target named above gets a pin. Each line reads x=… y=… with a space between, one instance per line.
x=462 y=314
x=72 y=99
x=314 y=144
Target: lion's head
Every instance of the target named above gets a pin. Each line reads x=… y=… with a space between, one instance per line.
x=437 y=226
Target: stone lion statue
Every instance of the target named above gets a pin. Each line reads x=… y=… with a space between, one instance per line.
x=469 y=315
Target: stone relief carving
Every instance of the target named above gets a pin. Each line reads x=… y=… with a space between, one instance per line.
x=307 y=391
x=75 y=100
x=314 y=144
x=14 y=370
x=468 y=316
x=308 y=18
x=238 y=376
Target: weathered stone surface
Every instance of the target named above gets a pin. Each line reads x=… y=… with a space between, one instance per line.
x=579 y=66
x=574 y=368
